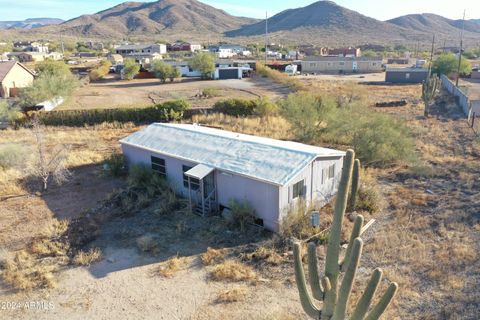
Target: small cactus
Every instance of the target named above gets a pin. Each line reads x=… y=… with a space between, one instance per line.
x=429 y=89
x=335 y=296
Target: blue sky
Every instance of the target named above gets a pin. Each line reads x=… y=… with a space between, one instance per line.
x=379 y=9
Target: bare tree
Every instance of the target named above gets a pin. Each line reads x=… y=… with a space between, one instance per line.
x=50 y=161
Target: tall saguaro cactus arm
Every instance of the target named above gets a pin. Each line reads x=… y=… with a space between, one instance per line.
x=429 y=89
x=335 y=297
x=355 y=185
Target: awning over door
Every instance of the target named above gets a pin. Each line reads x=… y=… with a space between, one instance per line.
x=199 y=172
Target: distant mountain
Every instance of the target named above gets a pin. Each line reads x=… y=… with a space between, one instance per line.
x=29 y=23
x=327 y=22
x=432 y=23
x=178 y=18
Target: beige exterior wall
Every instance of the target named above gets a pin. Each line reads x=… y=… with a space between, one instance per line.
x=18 y=77
x=337 y=66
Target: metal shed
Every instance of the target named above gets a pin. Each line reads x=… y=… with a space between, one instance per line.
x=406 y=75
x=211 y=167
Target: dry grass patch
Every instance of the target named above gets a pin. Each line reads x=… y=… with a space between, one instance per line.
x=170 y=267
x=233 y=271
x=264 y=254
x=148 y=243
x=24 y=272
x=212 y=256
x=86 y=258
x=232 y=295
x=49 y=247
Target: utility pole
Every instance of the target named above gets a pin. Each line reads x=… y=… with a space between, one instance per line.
x=266 y=36
x=461 y=49
x=431 y=57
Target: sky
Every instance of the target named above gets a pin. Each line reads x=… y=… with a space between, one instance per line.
x=379 y=9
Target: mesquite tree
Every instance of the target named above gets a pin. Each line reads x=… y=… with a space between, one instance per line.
x=327 y=289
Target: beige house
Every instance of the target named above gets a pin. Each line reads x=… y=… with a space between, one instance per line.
x=35 y=56
x=342 y=64
x=13 y=75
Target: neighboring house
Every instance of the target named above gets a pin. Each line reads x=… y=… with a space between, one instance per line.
x=345 y=52
x=184 y=46
x=341 y=65
x=406 y=75
x=242 y=67
x=475 y=74
x=184 y=68
x=212 y=167
x=228 y=50
x=141 y=49
x=34 y=56
x=37 y=47
x=85 y=55
x=144 y=59
x=13 y=75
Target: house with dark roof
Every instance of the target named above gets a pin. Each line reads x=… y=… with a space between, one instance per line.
x=212 y=168
x=13 y=76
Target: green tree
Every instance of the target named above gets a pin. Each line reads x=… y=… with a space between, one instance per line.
x=6 y=48
x=306 y=114
x=162 y=70
x=8 y=113
x=51 y=67
x=203 y=62
x=130 y=68
x=448 y=63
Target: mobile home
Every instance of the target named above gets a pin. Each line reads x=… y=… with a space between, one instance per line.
x=212 y=167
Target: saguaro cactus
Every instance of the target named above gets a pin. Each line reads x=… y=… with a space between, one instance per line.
x=429 y=89
x=355 y=185
x=334 y=296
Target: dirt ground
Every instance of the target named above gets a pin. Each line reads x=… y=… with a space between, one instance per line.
x=367 y=77
x=144 y=92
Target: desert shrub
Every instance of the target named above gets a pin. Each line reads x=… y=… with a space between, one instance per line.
x=11 y=156
x=100 y=71
x=148 y=243
x=242 y=214
x=307 y=114
x=368 y=198
x=278 y=77
x=86 y=258
x=169 y=268
x=203 y=62
x=115 y=165
x=264 y=107
x=130 y=68
x=9 y=113
x=232 y=295
x=49 y=247
x=297 y=223
x=263 y=254
x=212 y=256
x=167 y=111
x=447 y=64
x=235 y=107
x=211 y=92
x=232 y=271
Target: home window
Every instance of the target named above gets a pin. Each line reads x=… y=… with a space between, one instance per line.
x=313 y=65
x=341 y=63
x=194 y=183
x=407 y=76
x=158 y=166
x=331 y=171
x=298 y=189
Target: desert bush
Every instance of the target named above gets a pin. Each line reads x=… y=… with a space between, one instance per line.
x=49 y=247
x=100 y=71
x=86 y=258
x=369 y=198
x=167 y=111
x=235 y=107
x=263 y=254
x=212 y=256
x=264 y=107
x=148 y=243
x=307 y=114
x=203 y=62
x=232 y=295
x=278 y=77
x=297 y=223
x=115 y=165
x=9 y=113
x=211 y=92
x=169 y=268
x=242 y=214
x=24 y=272
x=130 y=68
x=12 y=156
x=232 y=271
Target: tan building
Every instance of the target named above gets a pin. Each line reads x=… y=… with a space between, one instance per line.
x=342 y=65
x=13 y=75
x=35 y=56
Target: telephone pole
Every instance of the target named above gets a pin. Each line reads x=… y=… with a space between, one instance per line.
x=266 y=35
x=461 y=49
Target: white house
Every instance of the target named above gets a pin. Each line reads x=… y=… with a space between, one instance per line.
x=141 y=49
x=212 y=167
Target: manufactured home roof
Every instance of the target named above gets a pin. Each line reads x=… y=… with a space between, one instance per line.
x=269 y=160
x=335 y=58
